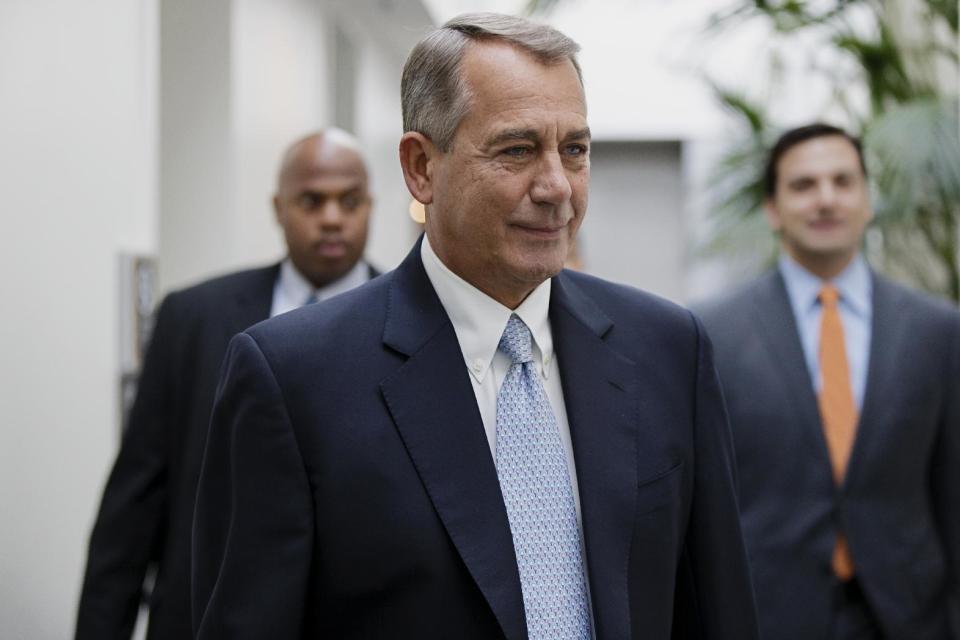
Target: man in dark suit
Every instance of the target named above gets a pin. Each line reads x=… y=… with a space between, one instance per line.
x=478 y=444
x=843 y=391
x=323 y=205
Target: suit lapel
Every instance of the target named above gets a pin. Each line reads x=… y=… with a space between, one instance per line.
x=254 y=300
x=599 y=393
x=432 y=402
x=885 y=340
x=774 y=319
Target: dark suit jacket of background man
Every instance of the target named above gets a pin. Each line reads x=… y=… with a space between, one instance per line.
x=900 y=502
x=368 y=504
x=147 y=507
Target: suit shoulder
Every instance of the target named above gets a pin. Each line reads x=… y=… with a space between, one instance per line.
x=923 y=306
x=226 y=285
x=353 y=315
x=721 y=306
x=616 y=293
x=910 y=296
x=631 y=307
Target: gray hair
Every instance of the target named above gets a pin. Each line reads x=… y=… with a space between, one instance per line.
x=434 y=95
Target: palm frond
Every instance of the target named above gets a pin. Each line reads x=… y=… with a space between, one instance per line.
x=914 y=150
x=948 y=10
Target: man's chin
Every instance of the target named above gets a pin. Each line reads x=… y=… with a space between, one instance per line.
x=535 y=274
x=328 y=275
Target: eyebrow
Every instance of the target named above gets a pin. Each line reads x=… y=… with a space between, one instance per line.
x=580 y=134
x=533 y=136
x=514 y=134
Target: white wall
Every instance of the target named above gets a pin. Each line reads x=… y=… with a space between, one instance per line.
x=77 y=167
x=280 y=92
x=147 y=127
x=241 y=80
x=379 y=126
x=197 y=158
x=634 y=228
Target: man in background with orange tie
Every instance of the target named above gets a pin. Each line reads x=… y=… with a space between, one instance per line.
x=843 y=391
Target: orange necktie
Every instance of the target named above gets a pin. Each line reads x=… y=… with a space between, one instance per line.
x=838 y=411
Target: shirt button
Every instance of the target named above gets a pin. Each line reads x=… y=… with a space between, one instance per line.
x=477 y=366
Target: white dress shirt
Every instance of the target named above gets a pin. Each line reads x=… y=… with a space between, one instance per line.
x=856 y=312
x=292 y=289
x=479 y=321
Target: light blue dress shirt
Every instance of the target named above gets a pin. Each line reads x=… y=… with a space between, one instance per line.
x=856 y=313
x=292 y=288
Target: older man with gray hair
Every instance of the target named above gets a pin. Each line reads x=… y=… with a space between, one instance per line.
x=479 y=444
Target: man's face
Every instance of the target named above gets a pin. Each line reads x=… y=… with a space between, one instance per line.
x=509 y=195
x=323 y=206
x=821 y=205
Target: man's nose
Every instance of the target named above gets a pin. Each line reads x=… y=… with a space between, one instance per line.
x=331 y=215
x=551 y=184
x=826 y=194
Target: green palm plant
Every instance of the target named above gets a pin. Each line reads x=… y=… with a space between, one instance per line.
x=910 y=130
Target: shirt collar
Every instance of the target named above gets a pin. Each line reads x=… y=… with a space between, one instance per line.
x=293 y=284
x=358 y=275
x=479 y=320
x=853 y=283
x=296 y=287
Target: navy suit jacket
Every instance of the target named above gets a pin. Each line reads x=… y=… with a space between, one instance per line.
x=348 y=489
x=899 y=504
x=146 y=512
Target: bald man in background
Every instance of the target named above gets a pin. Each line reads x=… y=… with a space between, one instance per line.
x=322 y=204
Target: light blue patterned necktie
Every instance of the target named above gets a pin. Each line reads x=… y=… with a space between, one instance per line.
x=532 y=468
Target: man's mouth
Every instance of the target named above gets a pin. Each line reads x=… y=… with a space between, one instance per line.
x=825 y=225
x=329 y=249
x=544 y=231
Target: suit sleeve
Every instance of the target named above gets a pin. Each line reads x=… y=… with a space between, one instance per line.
x=127 y=534
x=945 y=473
x=253 y=521
x=715 y=592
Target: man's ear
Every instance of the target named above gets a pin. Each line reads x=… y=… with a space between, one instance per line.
x=277 y=211
x=770 y=211
x=417 y=157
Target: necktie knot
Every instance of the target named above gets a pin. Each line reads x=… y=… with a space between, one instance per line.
x=829 y=296
x=516 y=341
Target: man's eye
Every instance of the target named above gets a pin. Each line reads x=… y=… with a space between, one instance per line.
x=517 y=152
x=576 y=150
x=308 y=201
x=350 y=202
